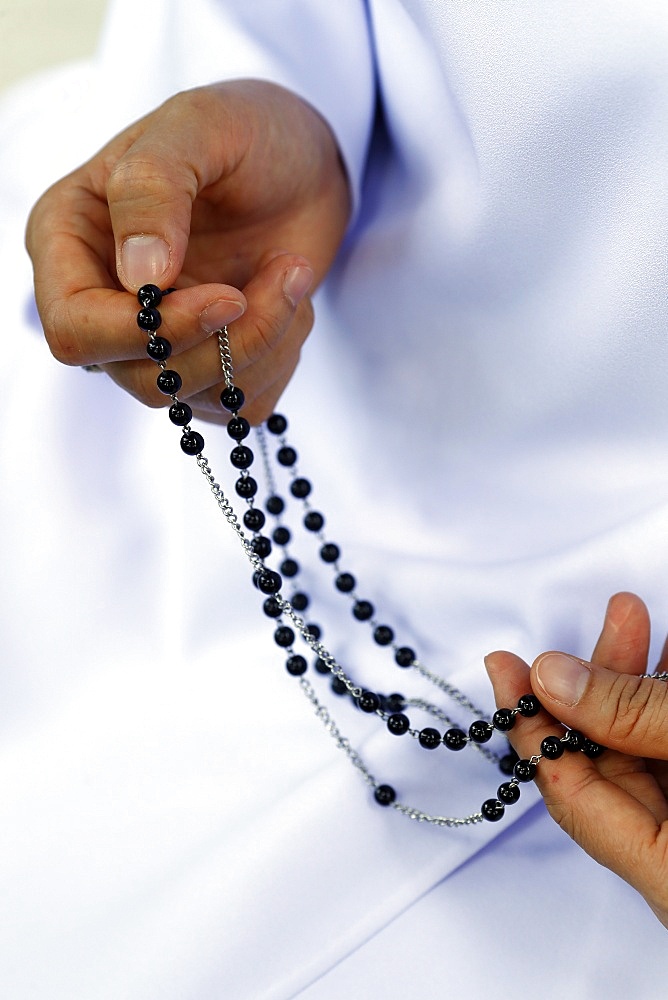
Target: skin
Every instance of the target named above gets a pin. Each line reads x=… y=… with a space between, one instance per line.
x=244 y=183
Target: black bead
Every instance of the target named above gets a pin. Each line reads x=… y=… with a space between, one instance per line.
x=508 y=761
x=492 y=810
x=592 y=749
x=254 y=519
x=299 y=601
x=261 y=546
x=314 y=630
x=455 y=739
x=404 y=657
x=345 y=582
x=180 y=414
x=338 y=686
x=321 y=666
x=275 y=505
x=524 y=770
x=246 y=487
x=480 y=731
x=149 y=295
x=552 y=748
x=296 y=665
x=330 y=552
x=368 y=701
x=383 y=635
x=313 y=520
x=149 y=320
x=169 y=382
x=277 y=423
x=396 y=702
x=363 y=610
x=574 y=740
x=272 y=608
x=281 y=535
x=429 y=738
x=269 y=582
x=503 y=719
x=158 y=349
x=300 y=488
x=398 y=724
x=232 y=398
x=238 y=428
x=286 y=455
x=192 y=443
x=385 y=795
x=289 y=567
x=528 y=705
x=508 y=792
x=284 y=636
x=241 y=457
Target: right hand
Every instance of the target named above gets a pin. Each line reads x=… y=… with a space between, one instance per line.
x=234 y=193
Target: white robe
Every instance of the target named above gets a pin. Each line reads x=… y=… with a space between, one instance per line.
x=488 y=374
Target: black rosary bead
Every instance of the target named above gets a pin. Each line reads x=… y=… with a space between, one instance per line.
x=169 y=382
x=396 y=702
x=552 y=748
x=528 y=705
x=398 y=724
x=272 y=608
x=300 y=488
x=508 y=792
x=268 y=581
x=429 y=738
x=592 y=750
x=480 y=731
x=277 y=423
x=345 y=582
x=261 y=546
x=314 y=630
x=296 y=665
x=180 y=414
x=455 y=739
x=284 y=636
x=246 y=487
x=321 y=666
x=192 y=443
x=313 y=520
x=574 y=740
x=299 y=601
x=158 y=349
x=238 y=428
x=330 y=552
x=286 y=455
x=363 y=610
x=383 y=635
x=503 y=719
x=508 y=761
x=368 y=701
x=525 y=770
x=338 y=686
x=289 y=567
x=149 y=295
x=275 y=505
x=404 y=656
x=385 y=795
x=241 y=457
x=232 y=398
x=281 y=535
x=149 y=320
x=492 y=810
x=254 y=519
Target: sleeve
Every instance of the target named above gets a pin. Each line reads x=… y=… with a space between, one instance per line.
x=318 y=49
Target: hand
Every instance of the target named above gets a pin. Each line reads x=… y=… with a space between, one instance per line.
x=616 y=806
x=234 y=186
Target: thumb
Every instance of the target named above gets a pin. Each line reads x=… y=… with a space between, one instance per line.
x=621 y=711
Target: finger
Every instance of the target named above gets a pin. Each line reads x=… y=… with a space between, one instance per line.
x=623 y=645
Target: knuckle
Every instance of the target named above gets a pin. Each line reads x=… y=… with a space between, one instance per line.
x=61 y=334
x=269 y=329
x=636 y=707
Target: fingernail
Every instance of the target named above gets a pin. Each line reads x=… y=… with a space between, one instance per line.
x=563 y=678
x=144 y=259
x=219 y=313
x=297 y=282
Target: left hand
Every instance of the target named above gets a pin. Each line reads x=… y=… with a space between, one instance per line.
x=615 y=807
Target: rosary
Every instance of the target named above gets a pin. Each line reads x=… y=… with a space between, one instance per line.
x=286 y=611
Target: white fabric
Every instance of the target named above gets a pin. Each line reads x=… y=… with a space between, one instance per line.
x=488 y=371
